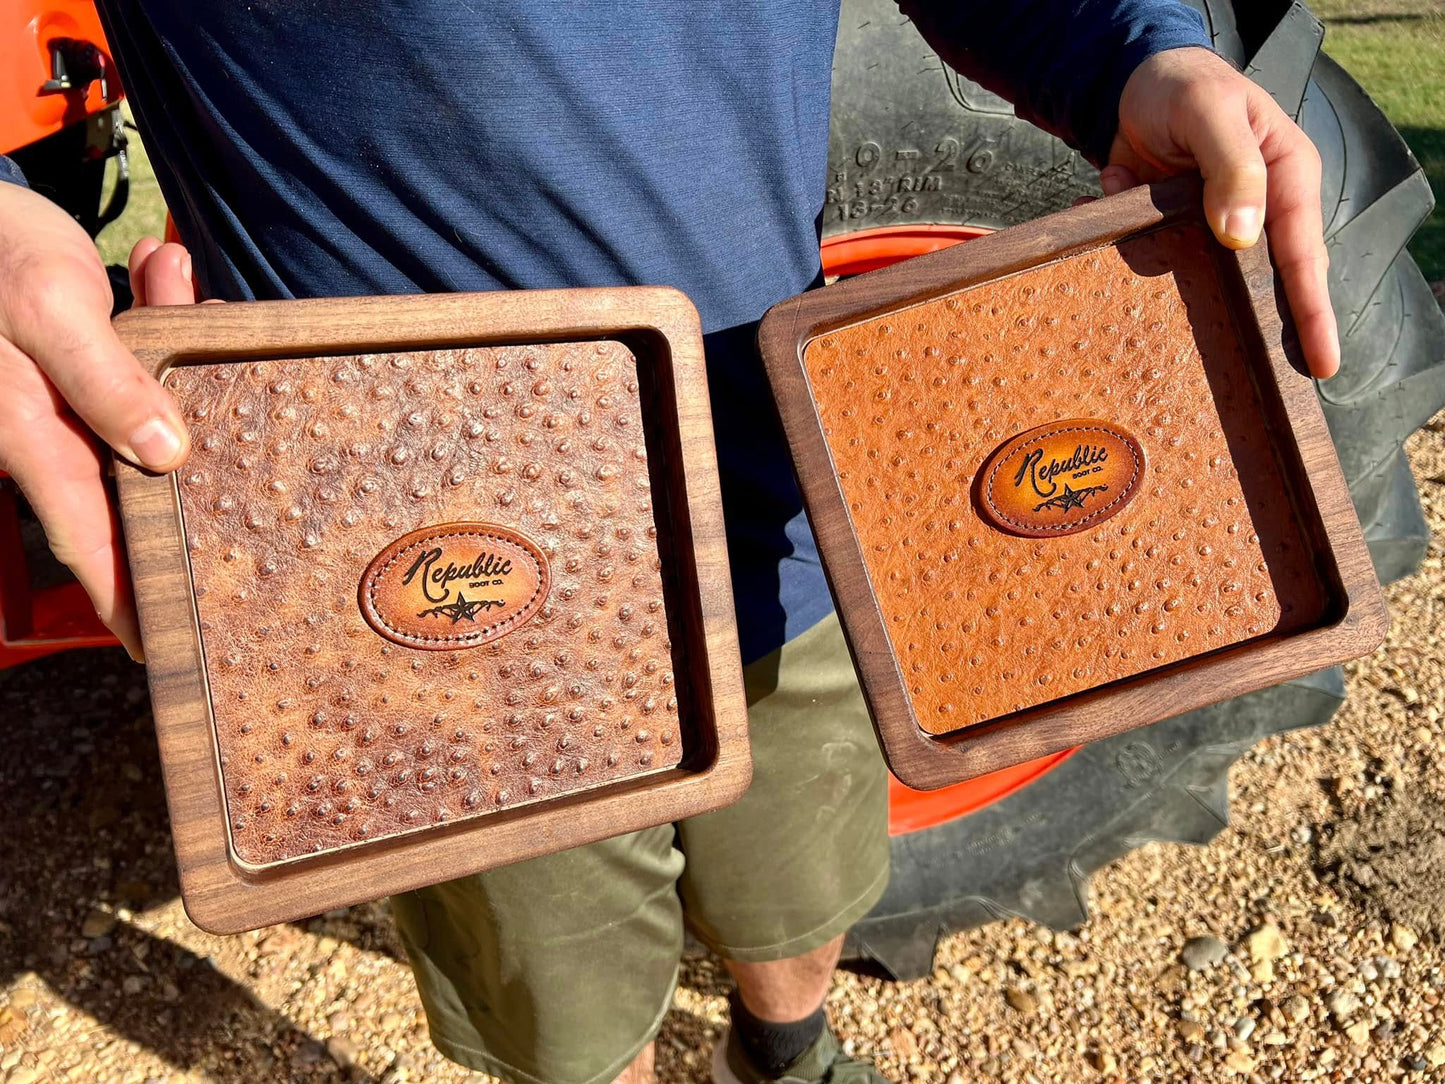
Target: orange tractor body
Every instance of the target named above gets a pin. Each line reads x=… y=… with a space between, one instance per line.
x=55 y=69
x=60 y=120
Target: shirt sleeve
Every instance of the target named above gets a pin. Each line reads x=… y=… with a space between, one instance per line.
x=1062 y=63
x=10 y=172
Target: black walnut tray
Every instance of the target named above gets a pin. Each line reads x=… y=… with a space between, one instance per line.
x=1067 y=479
x=443 y=585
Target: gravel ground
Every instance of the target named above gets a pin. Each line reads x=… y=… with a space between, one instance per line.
x=1304 y=944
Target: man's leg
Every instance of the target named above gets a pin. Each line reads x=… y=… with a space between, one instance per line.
x=777 y=1011
x=773 y=882
x=782 y=990
x=786 y=990
x=641 y=1071
x=553 y=971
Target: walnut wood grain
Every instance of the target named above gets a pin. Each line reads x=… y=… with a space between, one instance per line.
x=1239 y=564
x=311 y=762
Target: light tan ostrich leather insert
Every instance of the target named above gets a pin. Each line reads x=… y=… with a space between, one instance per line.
x=428 y=586
x=1142 y=518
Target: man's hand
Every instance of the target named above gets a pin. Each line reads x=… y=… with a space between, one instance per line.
x=67 y=381
x=1187 y=109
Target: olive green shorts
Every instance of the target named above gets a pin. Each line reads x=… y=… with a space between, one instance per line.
x=559 y=970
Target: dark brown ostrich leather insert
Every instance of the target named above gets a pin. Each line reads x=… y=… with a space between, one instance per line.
x=428 y=586
x=1127 y=348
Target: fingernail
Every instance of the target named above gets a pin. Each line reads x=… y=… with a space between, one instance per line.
x=186 y=268
x=156 y=444
x=136 y=654
x=1335 y=342
x=1242 y=225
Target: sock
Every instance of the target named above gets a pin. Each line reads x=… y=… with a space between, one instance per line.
x=769 y=1045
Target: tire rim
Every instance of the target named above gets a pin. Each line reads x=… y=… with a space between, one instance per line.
x=914 y=810
x=855 y=253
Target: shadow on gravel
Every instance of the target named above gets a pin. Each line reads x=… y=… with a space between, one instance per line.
x=684 y=1046
x=85 y=823
x=1390 y=860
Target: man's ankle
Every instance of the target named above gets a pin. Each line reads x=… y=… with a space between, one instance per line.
x=773 y=1045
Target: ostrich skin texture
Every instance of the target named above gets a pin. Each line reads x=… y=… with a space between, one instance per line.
x=985 y=622
x=305 y=473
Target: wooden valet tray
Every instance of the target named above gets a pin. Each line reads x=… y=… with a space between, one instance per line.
x=443 y=585
x=1066 y=480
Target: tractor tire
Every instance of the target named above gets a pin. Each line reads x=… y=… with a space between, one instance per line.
x=913 y=143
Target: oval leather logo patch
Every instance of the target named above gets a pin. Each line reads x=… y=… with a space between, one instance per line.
x=1059 y=478
x=454 y=585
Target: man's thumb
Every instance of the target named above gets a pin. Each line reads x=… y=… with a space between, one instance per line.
x=1235 y=178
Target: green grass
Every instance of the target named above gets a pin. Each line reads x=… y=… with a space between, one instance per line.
x=1396 y=50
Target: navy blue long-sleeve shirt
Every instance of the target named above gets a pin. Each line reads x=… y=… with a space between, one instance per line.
x=341 y=147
